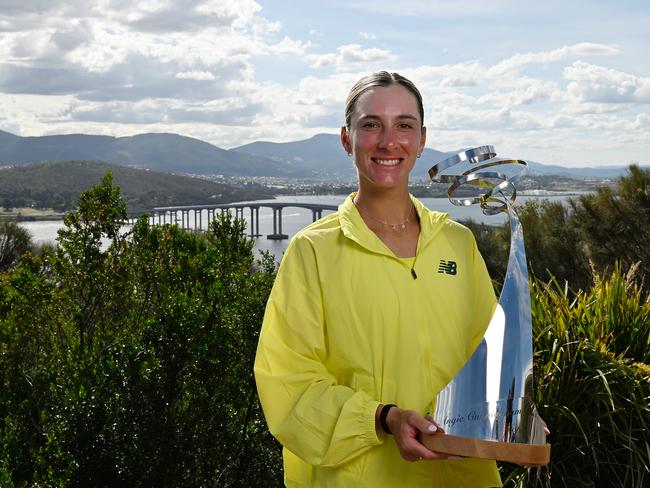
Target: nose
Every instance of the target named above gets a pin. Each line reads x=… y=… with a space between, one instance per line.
x=387 y=138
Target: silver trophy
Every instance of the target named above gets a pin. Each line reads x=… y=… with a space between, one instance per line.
x=486 y=410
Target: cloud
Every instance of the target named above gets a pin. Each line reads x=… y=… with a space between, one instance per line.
x=515 y=63
x=73 y=37
x=591 y=83
x=184 y=16
x=351 y=57
x=369 y=36
x=425 y=8
x=196 y=75
x=165 y=111
x=227 y=72
x=526 y=91
x=642 y=121
x=185 y=50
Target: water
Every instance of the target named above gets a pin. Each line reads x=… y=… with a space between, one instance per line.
x=294 y=219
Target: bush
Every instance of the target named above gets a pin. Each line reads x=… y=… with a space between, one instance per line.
x=130 y=364
x=565 y=242
x=592 y=384
x=14 y=242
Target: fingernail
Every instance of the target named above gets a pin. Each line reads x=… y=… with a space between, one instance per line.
x=433 y=428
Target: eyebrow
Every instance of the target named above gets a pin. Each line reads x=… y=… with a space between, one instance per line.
x=403 y=116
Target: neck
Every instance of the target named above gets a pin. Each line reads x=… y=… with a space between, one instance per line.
x=392 y=205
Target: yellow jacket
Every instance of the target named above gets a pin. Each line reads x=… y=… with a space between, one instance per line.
x=348 y=326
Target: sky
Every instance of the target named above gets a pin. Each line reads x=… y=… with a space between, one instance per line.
x=557 y=82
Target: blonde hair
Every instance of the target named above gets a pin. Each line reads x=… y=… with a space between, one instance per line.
x=380 y=78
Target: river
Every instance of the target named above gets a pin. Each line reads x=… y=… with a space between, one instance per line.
x=294 y=219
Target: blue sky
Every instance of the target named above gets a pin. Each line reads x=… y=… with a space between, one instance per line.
x=555 y=82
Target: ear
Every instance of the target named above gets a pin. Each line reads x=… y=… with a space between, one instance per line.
x=423 y=139
x=345 y=139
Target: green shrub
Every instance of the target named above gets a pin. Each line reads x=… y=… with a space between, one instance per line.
x=126 y=358
x=14 y=242
x=592 y=384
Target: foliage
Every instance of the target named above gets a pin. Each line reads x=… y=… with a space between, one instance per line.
x=592 y=384
x=14 y=242
x=616 y=224
x=594 y=230
x=126 y=359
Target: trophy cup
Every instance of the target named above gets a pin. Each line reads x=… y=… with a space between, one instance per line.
x=486 y=410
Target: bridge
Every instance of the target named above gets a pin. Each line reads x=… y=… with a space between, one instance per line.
x=193 y=217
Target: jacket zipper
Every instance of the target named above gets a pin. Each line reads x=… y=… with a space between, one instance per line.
x=413 y=273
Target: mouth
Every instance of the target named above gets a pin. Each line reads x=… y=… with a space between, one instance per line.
x=387 y=162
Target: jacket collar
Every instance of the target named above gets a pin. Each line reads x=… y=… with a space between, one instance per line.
x=354 y=228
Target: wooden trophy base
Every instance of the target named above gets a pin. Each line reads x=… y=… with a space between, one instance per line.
x=528 y=454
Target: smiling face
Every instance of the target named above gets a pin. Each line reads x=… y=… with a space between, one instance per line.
x=385 y=136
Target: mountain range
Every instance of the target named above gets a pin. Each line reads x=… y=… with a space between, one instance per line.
x=319 y=157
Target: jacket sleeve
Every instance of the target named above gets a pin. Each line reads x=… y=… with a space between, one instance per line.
x=322 y=422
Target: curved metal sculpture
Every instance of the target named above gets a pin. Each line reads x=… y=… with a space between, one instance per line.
x=486 y=410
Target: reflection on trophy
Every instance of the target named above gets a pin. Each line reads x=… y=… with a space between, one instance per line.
x=486 y=410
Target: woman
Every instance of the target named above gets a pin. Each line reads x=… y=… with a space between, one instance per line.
x=374 y=309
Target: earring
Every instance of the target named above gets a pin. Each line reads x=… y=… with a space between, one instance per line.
x=419 y=154
x=349 y=153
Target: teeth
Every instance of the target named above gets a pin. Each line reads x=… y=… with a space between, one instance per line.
x=387 y=162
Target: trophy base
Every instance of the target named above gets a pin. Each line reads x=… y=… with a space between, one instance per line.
x=527 y=454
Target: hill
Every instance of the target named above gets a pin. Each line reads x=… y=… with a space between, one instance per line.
x=58 y=185
x=159 y=152
x=319 y=157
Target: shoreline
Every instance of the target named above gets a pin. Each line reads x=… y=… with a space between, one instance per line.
x=28 y=214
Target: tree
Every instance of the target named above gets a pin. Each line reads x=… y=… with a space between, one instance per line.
x=140 y=355
x=14 y=242
x=593 y=231
x=614 y=224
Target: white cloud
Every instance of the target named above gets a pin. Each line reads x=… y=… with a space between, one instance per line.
x=642 y=121
x=526 y=91
x=591 y=83
x=368 y=36
x=196 y=75
x=191 y=66
x=351 y=57
x=515 y=63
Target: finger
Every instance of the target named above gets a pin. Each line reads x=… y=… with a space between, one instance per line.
x=434 y=455
x=430 y=419
x=422 y=424
x=413 y=450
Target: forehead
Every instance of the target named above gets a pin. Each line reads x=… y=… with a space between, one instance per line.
x=393 y=100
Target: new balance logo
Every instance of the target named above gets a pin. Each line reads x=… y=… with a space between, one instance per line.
x=448 y=267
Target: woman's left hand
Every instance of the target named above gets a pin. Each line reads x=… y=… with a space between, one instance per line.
x=405 y=426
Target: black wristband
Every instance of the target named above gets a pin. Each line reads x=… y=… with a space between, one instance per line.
x=382 y=417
